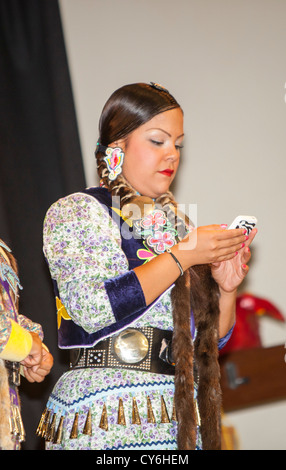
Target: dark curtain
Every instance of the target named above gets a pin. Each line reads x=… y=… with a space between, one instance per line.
x=40 y=161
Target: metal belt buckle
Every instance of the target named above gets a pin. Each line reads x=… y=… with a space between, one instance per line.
x=13 y=369
x=131 y=346
x=16 y=377
x=166 y=352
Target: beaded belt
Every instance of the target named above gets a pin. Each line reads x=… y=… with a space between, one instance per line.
x=146 y=349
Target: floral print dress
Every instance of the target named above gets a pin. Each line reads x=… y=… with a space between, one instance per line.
x=83 y=247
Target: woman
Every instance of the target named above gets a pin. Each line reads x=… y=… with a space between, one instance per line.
x=21 y=348
x=122 y=259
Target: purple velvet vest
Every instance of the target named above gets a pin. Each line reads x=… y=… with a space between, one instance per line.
x=127 y=307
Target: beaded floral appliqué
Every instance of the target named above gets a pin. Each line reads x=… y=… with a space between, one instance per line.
x=145 y=253
x=157 y=231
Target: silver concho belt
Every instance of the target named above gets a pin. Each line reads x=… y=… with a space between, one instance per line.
x=147 y=349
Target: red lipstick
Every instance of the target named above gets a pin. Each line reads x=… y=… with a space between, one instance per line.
x=167 y=172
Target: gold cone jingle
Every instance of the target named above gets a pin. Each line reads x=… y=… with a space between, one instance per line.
x=19 y=423
x=174 y=414
x=150 y=414
x=15 y=427
x=164 y=413
x=87 y=427
x=12 y=424
x=74 y=430
x=46 y=423
x=135 y=413
x=103 y=420
x=41 y=422
x=59 y=433
x=51 y=429
x=121 y=415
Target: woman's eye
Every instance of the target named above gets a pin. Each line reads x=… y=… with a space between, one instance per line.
x=156 y=142
x=179 y=147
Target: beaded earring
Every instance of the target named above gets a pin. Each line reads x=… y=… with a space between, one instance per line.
x=114 y=160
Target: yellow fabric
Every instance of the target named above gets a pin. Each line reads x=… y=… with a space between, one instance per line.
x=19 y=344
x=229 y=437
x=62 y=312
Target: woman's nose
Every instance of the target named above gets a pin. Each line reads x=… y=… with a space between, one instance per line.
x=173 y=153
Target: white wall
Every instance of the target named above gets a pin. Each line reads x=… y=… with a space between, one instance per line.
x=224 y=61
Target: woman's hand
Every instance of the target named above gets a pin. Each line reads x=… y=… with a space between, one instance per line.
x=210 y=244
x=205 y=245
x=39 y=372
x=39 y=361
x=230 y=273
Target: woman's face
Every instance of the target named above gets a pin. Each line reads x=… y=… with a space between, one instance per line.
x=152 y=153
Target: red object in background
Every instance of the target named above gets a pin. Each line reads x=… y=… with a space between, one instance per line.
x=246 y=332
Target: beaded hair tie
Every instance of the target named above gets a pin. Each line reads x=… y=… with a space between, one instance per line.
x=158 y=87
